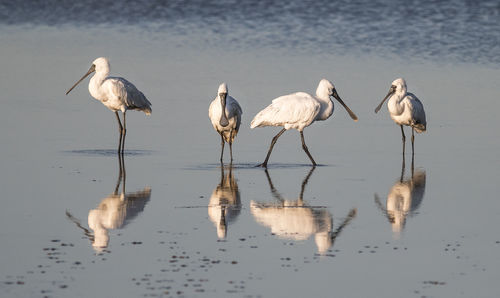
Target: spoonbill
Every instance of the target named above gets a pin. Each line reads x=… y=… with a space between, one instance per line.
x=405 y=109
x=299 y=110
x=116 y=93
x=225 y=114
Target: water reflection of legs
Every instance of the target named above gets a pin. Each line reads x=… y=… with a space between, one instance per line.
x=225 y=203
x=296 y=220
x=222 y=148
x=403 y=198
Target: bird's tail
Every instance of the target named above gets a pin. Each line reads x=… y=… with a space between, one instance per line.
x=259 y=120
x=419 y=127
x=254 y=124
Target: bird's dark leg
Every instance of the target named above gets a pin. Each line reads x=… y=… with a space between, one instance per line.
x=305 y=148
x=124 y=131
x=222 y=147
x=264 y=164
x=404 y=138
x=120 y=129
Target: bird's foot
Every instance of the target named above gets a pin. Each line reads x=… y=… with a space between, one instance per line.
x=262 y=165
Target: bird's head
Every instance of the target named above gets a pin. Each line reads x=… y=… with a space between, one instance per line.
x=398 y=86
x=328 y=87
x=99 y=65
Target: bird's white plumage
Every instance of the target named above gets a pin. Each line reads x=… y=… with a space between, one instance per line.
x=405 y=108
x=297 y=110
x=116 y=93
x=233 y=114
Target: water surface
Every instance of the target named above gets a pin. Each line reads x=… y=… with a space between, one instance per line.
x=176 y=224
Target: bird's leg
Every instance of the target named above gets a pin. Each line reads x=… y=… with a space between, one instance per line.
x=222 y=147
x=304 y=146
x=120 y=129
x=404 y=138
x=124 y=131
x=264 y=164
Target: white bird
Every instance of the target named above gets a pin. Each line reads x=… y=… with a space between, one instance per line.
x=116 y=93
x=299 y=110
x=405 y=109
x=225 y=114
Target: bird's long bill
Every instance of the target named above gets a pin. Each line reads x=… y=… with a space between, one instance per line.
x=351 y=113
x=223 y=117
x=391 y=91
x=91 y=70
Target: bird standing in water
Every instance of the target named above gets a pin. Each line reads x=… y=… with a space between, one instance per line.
x=405 y=109
x=225 y=114
x=116 y=93
x=299 y=110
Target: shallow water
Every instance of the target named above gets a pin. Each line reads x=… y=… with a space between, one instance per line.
x=290 y=231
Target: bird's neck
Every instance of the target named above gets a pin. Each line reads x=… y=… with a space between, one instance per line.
x=326 y=109
x=394 y=103
x=96 y=82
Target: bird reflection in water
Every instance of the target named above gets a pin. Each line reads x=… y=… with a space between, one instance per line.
x=225 y=204
x=114 y=211
x=404 y=198
x=295 y=220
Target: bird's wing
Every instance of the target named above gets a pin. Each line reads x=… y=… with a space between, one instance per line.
x=234 y=110
x=133 y=98
x=294 y=109
x=417 y=111
x=211 y=109
x=234 y=106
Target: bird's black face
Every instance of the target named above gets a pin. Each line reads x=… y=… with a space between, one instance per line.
x=334 y=93
x=392 y=89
